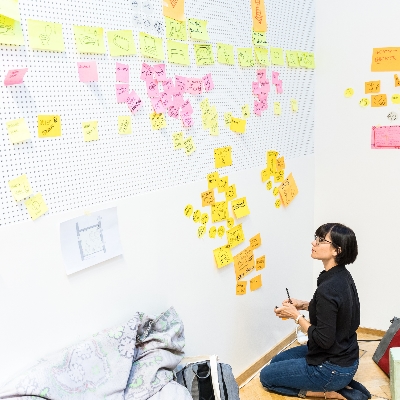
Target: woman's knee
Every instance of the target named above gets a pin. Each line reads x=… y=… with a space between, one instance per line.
x=266 y=377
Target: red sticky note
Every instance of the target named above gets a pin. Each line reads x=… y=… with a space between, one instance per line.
x=15 y=76
x=122 y=73
x=122 y=90
x=87 y=71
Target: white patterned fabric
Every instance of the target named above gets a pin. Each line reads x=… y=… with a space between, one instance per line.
x=172 y=391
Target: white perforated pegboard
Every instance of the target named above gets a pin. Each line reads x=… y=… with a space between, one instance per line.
x=71 y=173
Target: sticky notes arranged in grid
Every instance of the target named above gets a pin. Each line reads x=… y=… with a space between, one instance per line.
x=151 y=46
x=87 y=71
x=223 y=157
x=20 y=188
x=12 y=30
x=121 y=43
x=49 y=126
x=15 y=76
x=124 y=124
x=18 y=130
x=89 y=39
x=36 y=206
x=44 y=35
x=90 y=131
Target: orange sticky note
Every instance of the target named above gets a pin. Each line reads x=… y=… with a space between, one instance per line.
x=385 y=59
x=378 y=100
x=207 y=198
x=288 y=190
x=373 y=87
x=396 y=80
x=174 y=9
x=243 y=263
x=241 y=288
x=255 y=242
x=280 y=163
x=259 y=16
x=255 y=283
x=260 y=263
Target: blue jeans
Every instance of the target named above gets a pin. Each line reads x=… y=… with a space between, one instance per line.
x=290 y=375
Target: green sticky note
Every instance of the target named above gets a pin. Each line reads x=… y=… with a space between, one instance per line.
x=204 y=54
x=198 y=29
x=45 y=35
x=259 y=39
x=277 y=56
x=89 y=39
x=9 y=8
x=178 y=53
x=225 y=54
x=10 y=31
x=151 y=46
x=306 y=60
x=246 y=57
x=175 y=30
x=121 y=43
x=292 y=59
x=262 y=56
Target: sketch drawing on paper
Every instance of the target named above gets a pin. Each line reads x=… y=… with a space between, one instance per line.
x=90 y=240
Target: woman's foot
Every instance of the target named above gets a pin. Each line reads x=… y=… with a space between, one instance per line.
x=352 y=394
x=360 y=387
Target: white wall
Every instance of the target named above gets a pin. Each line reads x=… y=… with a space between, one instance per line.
x=355 y=185
x=164 y=263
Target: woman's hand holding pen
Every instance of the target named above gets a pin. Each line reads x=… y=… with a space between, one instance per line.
x=287 y=310
x=297 y=303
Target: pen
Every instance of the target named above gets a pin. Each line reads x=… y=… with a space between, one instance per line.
x=288 y=295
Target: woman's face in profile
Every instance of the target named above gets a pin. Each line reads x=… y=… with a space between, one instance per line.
x=322 y=249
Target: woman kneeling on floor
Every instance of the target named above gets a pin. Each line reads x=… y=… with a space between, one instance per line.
x=327 y=365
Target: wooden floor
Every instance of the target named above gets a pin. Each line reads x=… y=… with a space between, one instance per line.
x=369 y=374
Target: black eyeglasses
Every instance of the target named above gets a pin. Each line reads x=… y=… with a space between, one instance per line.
x=319 y=240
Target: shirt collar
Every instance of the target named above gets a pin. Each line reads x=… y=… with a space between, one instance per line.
x=324 y=275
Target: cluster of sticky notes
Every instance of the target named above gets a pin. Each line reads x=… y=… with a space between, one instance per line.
x=223 y=157
x=15 y=76
x=261 y=88
x=21 y=189
x=209 y=116
x=180 y=142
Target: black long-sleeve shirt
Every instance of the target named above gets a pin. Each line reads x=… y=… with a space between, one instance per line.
x=334 y=317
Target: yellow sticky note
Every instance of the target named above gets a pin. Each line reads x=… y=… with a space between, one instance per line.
x=271 y=160
x=221 y=231
x=198 y=29
x=255 y=241
x=241 y=288
x=174 y=9
x=275 y=192
x=45 y=35
x=288 y=190
x=385 y=59
x=212 y=232
x=246 y=111
x=177 y=139
x=277 y=56
x=204 y=105
x=189 y=146
x=201 y=231
x=151 y=46
x=294 y=104
x=188 y=210
x=36 y=206
x=213 y=180
x=230 y=222
x=124 y=124
x=262 y=56
x=204 y=218
x=278 y=203
x=240 y=207
x=235 y=236
x=265 y=174
x=197 y=216
x=90 y=131
x=348 y=92
x=238 y=125
x=223 y=157
x=228 y=119
x=223 y=256
x=18 y=130
x=178 y=53
x=223 y=184
x=396 y=80
x=89 y=39
x=277 y=108
x=306 y=60
x=243 y=263
x=255 y=283
x=279 y=176
x=230 y=193
x=260 y=263
x=204 y=54
x=175 y=30
x=378 y=100
x=292 y=59
x=364 y=102
x=259 y=39
x=269 y=185
x=246 y=57
x=121 y=43
x=157 y=121
x=207 y=198
x=49 y=126
x=372 y=87
x=225 y=54
x=219 y=211
x=11 y=31
x=396 y=99
x=280 y=163
x=20 y=187
x=9 y=8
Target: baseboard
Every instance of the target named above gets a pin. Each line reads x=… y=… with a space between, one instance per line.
x=370 y=331
x=264 y=359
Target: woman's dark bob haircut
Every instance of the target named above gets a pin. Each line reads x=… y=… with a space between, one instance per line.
x=343 y=239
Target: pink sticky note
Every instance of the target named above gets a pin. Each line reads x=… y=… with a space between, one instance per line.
x=87 y=71
x=208 y=83
x=187 y=121
x=178 y=99
x=122 y=90
x=168 y=85
x=15 y=76
x=257 y=108
x=275 y=77
x=194 y=86
x=264 y=89
x=385 y=137
x=147 y=72
x=159 y=72
x=122 y=72
x=264 y=104
x=261 y=74
x=255 y=87
x=187 y=108
x=173 y=111
x=279 y=88
x=133 y=101
x=158 y=105
x=180 y=83
x=152 y=88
